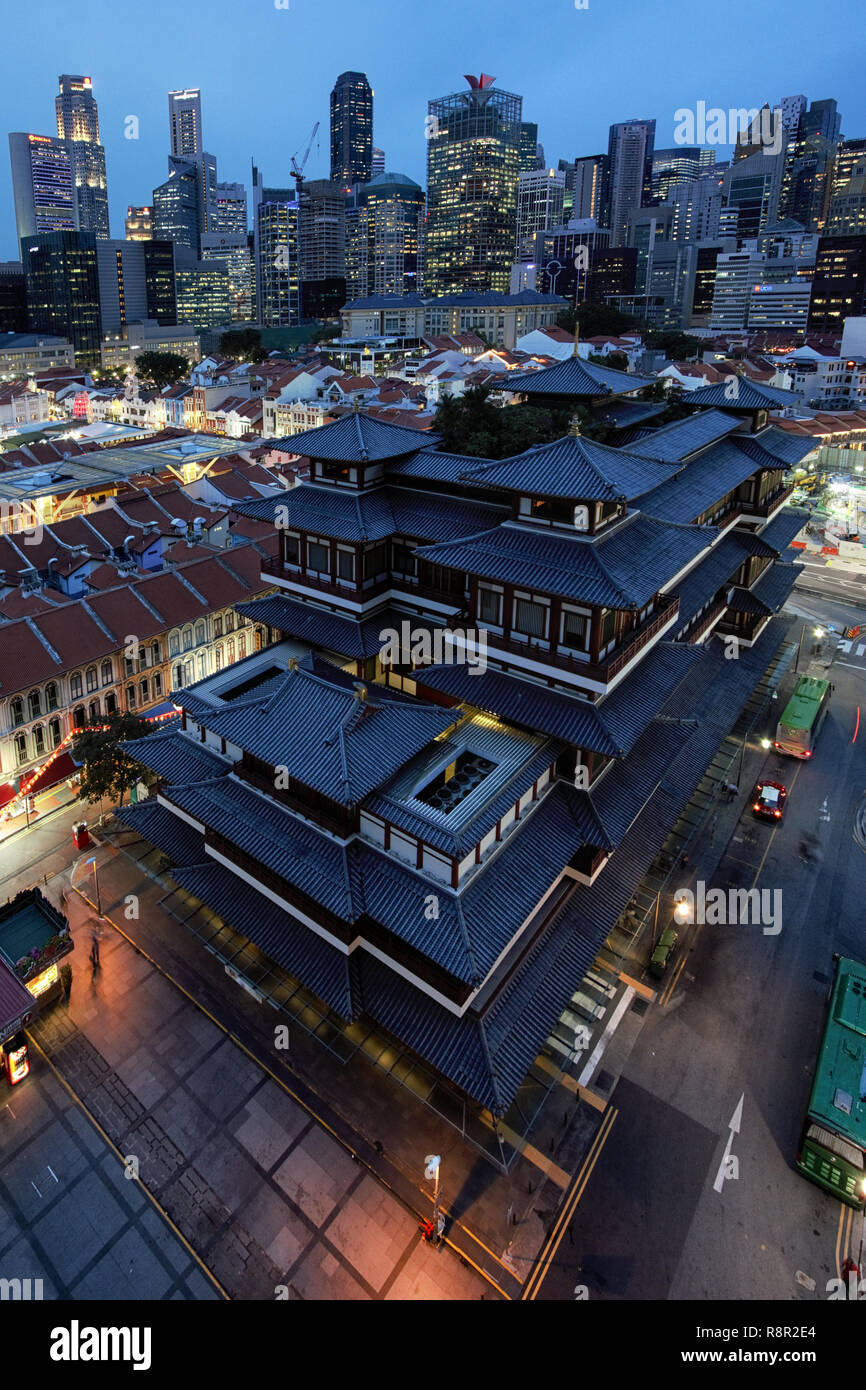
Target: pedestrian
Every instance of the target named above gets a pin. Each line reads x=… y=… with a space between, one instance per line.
x=94 y=947
x=379 y=1147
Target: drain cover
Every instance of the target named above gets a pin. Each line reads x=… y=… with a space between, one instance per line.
x=639 y=1007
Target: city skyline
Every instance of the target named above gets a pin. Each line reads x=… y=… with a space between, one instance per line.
x=262 y=123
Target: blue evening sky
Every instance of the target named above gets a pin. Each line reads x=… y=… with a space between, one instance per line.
x=266 y=72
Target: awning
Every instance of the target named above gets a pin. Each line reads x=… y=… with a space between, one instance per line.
x=7 y=793
x=63 y=766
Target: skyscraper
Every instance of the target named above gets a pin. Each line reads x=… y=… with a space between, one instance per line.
x=588 y=184
x=390 y=227
x=630 y=160
x=184 y=122
x=351 y=129
x=139 y=224
x=185 y=207
x=230 y=214
x=378 y=163
x=675 y=166
x=529 y=147
x=847 y=212
x=839 y=283
x=78 y=122
x=322 y=233
x=63 y=289
x=473 y=155
x=808 y=171
x=540 y=195
x=43 y=184
x=278 y=275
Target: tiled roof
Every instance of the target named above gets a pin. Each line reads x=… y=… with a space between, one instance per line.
x=372 y=516
x=750 y=395
x=624 y=414
x=182 y=843
x=328 y=631
x=354 y=438
x=573 y=467
x=699 y=484
x=438 y=467
x=776 y=583
x=788 y=449
x=329 y=738
x=176 y=756
x=785 y=527
x=681 y=438
x=611 y=727
x=303 y=954
x=621 y=569
x=574 y=377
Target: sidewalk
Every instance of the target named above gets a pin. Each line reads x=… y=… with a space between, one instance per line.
x=274 y=1204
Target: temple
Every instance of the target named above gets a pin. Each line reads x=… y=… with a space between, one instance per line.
x=489 y=690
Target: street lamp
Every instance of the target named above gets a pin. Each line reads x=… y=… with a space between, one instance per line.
x=431 y=1172
x=682 y=911
x=86 y=862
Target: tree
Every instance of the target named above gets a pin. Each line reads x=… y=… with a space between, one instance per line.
x=617 y=360
x=244 y=344
x=107 y=770
x=471 y=424
x=595 y=319
x=677 y=346
x=161 y=368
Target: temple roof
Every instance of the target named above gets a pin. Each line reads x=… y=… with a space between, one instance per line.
x=622 y=568
x=739 y=393
x=339 y=742
x=572 y=467
x=354 y=438
x=375 y=515
x=576 y=378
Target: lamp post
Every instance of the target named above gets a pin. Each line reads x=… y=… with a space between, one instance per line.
x=431 y=1171
x=92 y=861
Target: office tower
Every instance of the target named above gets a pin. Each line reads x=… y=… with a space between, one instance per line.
x=13 y=298
x=473 y=154
x=278 y=279
x=736 y=272
x=136 y=282
x=669 y=284
x=351 y=129
x=122 y=293
x=540 y=197
x=752 y=187
x=63 y=289
x=839 y=283
x=159 y=282
x=646 y=227
x=232 y=249
x=673 y=167
x=184 y=122
x=697 y=206
x=139 y=224
x=204 y=297
x=705 y=279
x=43 y=184
x=531 y=153
x=322 y=233
x=230 y=214
x=809 y=160
x=78 y=122
x=630 y=157
x=386 y=237
x=176 y=208
x=185 y=207
x=708 y=160
x=378 y=162
x=846 y=215
x=792 y=108
x=588 y=185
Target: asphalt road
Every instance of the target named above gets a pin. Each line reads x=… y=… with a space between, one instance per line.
x=693 y=1194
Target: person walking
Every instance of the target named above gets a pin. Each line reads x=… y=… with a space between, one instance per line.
x=94 y=947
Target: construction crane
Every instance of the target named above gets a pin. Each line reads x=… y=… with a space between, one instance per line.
x=298 y=169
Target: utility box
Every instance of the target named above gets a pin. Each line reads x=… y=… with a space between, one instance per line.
x=80 y=835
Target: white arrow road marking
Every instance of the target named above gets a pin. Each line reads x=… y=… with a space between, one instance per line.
x=734 y=1127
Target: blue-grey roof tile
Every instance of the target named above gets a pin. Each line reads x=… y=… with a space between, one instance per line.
x=574 y=377
x=785 y=526
x=681 y=438
x=181 y=843
x=575 y=468
x=356 y=438
x=177 y=757
x=699 y=484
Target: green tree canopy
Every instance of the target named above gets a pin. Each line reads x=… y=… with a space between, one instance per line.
x=107 y=770
x=244 y=344
x=161 y=368
x=597 y=318
x=678 y=347
x=471 y=424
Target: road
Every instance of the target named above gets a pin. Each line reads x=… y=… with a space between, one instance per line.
x=693 y=1194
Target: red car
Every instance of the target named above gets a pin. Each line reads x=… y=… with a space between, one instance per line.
x=768 y=800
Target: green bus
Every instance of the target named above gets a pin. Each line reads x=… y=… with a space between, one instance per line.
x=802 y=717
x=833 y=1145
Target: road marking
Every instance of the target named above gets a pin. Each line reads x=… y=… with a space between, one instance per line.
x=569 y=1207
x=603 y=1041
x=665 y=998
x=734 y=1127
